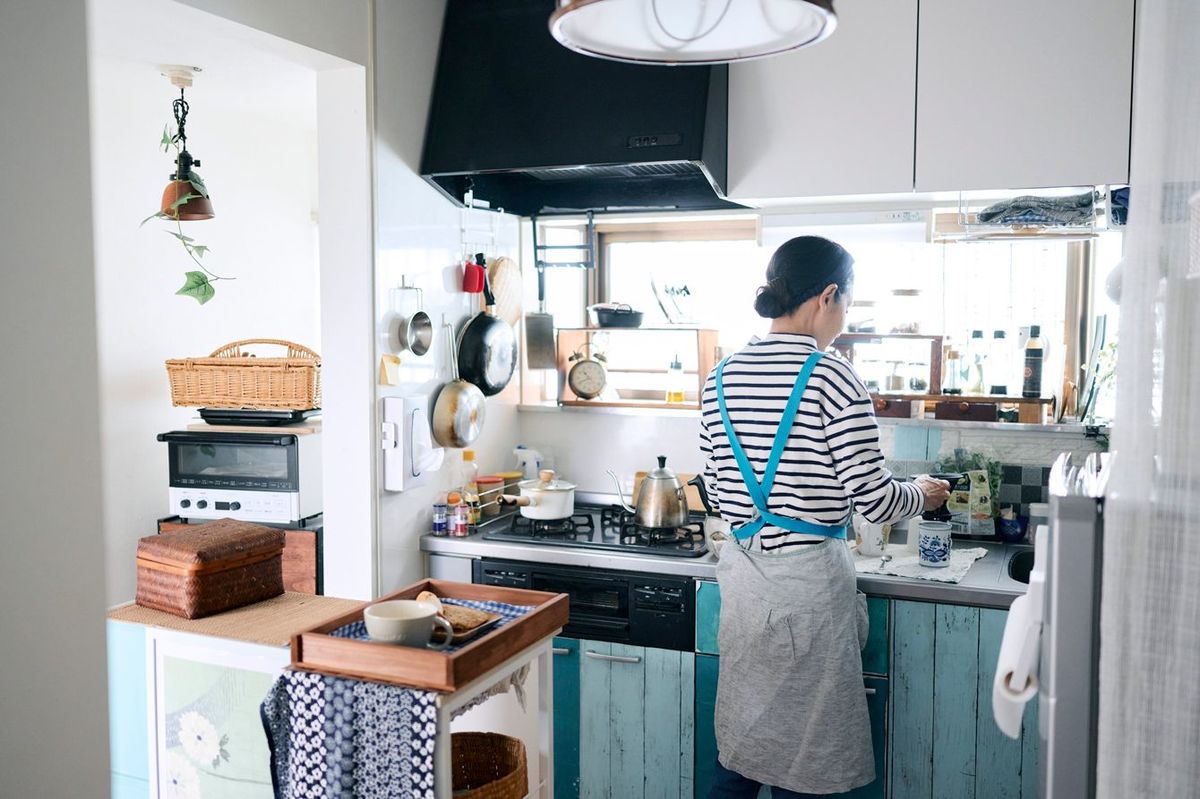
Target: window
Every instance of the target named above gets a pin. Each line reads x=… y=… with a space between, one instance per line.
x=980 y=296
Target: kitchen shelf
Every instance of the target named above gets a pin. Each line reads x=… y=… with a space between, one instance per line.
x=575 y=339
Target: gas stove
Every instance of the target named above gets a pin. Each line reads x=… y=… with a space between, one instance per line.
x=601 y=527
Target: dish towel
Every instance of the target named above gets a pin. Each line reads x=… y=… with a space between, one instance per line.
x=909 y=566
x=337 y=738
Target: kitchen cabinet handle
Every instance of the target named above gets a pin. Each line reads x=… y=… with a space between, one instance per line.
x=613 y=658
x=560 y=650
x=871 y=691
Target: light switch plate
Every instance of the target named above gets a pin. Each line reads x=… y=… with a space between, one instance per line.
x=410 y=455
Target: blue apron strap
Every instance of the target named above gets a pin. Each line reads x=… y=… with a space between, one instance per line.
x=760 y=491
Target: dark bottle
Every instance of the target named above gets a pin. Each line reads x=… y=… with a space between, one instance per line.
x=1035 y=351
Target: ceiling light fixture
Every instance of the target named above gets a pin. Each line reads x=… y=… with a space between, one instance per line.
x=184 y=180
x=690 y=31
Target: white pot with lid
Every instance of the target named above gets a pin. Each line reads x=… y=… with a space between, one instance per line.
x=545 y=499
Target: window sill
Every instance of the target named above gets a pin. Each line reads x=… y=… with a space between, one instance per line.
x=1001 y=427
x=548 y=407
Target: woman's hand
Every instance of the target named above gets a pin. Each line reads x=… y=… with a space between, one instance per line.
x=936 y=491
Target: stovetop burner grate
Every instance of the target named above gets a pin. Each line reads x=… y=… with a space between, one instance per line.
x=610 y=528
x=577 y=524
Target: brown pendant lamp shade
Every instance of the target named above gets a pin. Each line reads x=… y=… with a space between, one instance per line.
x=183 y=180
x=198 y=207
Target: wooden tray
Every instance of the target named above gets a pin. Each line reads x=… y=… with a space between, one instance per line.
x=317 y=650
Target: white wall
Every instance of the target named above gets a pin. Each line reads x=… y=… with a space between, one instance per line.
x=253 y=126
x=419 y=236
x=53 y=735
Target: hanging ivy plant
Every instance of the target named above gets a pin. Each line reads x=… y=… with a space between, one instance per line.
x=198 y=284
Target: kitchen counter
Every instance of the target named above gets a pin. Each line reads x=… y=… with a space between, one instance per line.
x=986 y=585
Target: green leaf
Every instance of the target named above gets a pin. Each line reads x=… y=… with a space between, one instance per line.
x=197 y=183
x=198 y=250
x=197 y=287
x=180 y=236
x=155 y=215
x=166 y=140
x=183 y=199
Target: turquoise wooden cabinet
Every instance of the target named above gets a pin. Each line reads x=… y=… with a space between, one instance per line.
x=877 y=707
x=636 y=722
x=945 y=741
x=128 y=735
x=566 y=718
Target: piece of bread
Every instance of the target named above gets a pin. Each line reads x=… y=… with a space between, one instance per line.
x=463 y=619
x=431 y=598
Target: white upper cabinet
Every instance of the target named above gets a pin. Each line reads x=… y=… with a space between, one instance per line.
x=836 y=118
x=1023 y=93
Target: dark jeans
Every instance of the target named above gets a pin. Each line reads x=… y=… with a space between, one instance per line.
x=728 y=784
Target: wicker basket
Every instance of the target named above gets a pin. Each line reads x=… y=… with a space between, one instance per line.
x=487 y=765
x=232 y=378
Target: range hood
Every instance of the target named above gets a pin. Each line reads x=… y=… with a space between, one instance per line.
x=534 y=128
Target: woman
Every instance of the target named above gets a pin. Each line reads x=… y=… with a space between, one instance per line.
x=792 y=447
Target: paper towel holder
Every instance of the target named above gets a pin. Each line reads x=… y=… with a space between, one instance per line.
x=409 y=452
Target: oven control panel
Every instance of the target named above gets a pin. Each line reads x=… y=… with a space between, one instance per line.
x=247 y=506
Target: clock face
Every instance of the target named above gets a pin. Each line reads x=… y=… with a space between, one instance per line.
x=587 y=379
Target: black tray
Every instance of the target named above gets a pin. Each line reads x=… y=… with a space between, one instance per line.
x=254 y=417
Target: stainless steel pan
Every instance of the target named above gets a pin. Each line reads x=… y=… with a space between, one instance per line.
x=459 y=411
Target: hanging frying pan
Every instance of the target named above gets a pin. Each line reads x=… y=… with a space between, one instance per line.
x=487 y=351
x=459 y=410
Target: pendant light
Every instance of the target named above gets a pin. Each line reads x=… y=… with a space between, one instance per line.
x=183 y=180
x=690 y=31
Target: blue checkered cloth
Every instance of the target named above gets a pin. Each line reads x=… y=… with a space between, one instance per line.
x=358 y=630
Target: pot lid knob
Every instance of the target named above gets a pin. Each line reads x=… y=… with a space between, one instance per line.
x=662 y=472
x=546 y=475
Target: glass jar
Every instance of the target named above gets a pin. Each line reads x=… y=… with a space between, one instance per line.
x=904 y=311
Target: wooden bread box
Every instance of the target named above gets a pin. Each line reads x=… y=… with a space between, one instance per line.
x=209 y=568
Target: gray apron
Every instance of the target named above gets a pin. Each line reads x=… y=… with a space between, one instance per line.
x=791 y=707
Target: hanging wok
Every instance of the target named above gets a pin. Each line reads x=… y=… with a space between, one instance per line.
x=487 y=350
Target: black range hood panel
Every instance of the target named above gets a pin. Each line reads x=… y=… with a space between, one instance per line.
x=534 y=128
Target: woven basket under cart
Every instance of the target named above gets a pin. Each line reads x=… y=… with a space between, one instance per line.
x=234 y=378
x=487 y=765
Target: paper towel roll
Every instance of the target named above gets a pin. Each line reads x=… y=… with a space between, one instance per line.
x=1016 y=667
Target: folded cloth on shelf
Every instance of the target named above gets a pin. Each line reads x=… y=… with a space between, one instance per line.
x=342 y=739
x=910 y=566
x=1075 y=209
x=358 y=630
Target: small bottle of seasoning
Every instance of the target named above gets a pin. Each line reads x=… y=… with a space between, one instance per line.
x=473 y=514
x=441 y=519
x=460 y=525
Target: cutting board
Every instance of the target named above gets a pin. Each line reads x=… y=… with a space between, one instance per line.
x=693 y=495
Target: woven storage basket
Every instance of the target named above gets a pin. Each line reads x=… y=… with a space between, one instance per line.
x=487 y=765
x=233 y=378
x=209 y=568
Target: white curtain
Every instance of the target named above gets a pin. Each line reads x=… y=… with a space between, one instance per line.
x=1150 y=617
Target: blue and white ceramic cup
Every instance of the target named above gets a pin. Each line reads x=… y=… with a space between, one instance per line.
x=933 y=544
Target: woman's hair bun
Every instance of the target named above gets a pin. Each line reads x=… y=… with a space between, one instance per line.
x=769 y=304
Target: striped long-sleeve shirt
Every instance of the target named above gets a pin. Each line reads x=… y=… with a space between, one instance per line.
x=832 y=460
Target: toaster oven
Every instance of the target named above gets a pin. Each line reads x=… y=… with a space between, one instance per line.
x=252 y=476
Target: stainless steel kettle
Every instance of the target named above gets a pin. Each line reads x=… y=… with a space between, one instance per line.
x=661 y=501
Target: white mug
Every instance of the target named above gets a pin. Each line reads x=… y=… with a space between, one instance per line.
x=933 y=544
x=872 y=538
x=406 y=622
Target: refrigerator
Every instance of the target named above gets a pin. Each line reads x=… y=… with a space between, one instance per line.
x=1069 y=665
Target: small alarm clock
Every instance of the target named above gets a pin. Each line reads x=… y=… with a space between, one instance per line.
x=588 y=375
